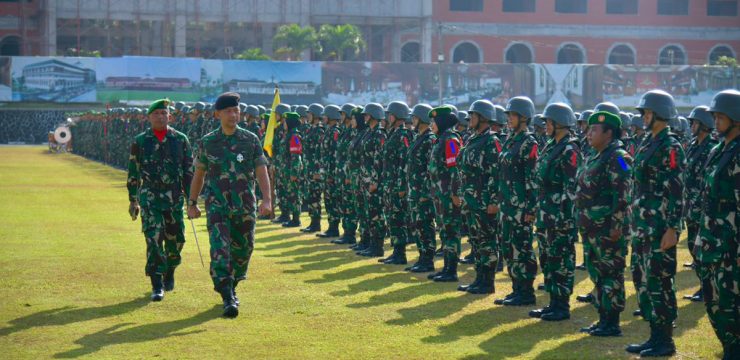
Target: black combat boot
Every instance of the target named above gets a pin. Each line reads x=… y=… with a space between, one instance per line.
x=581 y=266
x=281 y=219
x=375 y=249
x=451 y=274
x=478 y=275
x=347 y=238
x=587 y=298
x=697 y=296
x=541 y=286
x=610 y=327
x=637 y=348
x=361 y=246
x=514 y=292
x=390 y=257
x=500 y=264
x=416 y=264
x=525 y=296
x=486 y=284
x=314 y=226
x=295 y=222
x=637 y=312
x=444 y=269
x=560 y=310
x=169 y=280
x=231 y=310
x=537 y=313
x=440 y=252
x=157 y=287
x=426 y=262
x=332 y=231
x=594 y=326
x=400 y=256
x=663 y=344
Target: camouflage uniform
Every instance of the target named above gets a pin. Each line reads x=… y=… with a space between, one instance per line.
x=371 y=171
x=159 y=176
x=312 y=151
x=347 y=206
x=420 y=194
x=328 y=169
x=294 y=167
x=230 y=164
x=354 y=169
x=396 y=208
x=658 y=205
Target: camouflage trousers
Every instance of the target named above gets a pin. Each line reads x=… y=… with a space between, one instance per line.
x=280 y=193
x=720 y=283
x=422 y=223
x=232 y=242
x=656 y=289
x=482 y=234
x=293 y=197
x=372 y=204
x=313 y=197
x=558 y=259
x=605 y=261
x=449 y=234
x=332 y=201
x=163 y=231
x=348 y=206
x=397 y=217
x=693 y=231
x=516 y=245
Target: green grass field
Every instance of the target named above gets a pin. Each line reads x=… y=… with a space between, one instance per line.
x=72 y=285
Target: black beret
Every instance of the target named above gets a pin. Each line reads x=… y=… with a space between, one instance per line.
x=227 y=100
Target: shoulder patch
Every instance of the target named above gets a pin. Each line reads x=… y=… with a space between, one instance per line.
x=673 y=158
x=533 y=153
x=295 y=145
x=622 y=163
x=452 y=148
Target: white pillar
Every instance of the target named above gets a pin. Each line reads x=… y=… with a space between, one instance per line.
x=426 y=40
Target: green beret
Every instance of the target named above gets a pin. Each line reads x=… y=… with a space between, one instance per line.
x=604 y=117
x=441 y=111
x=291 y=115
x=158 y=104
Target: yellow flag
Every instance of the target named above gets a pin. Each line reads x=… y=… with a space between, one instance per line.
x=272 y=124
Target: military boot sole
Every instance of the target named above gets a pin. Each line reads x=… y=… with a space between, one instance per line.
x=555 y=316
x=481 y=290
x=445 y=278
x=422 y=269
x=520 y=302
x=537 y=313
x=231 y=311
x=396 y=261
x=606 y=332
x=585 y=298
x=156 y=297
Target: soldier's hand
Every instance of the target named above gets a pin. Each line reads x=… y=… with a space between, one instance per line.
x=293 y=178
x=456 y=201
x=492 y=209
x=669 y=240
x=134 y=209
x=615 y=234
x=265 y=208
x=528 y=219
x=401 y=193
x=373 y=188
x=194 y=212
x=347 y=182
x=317 y=176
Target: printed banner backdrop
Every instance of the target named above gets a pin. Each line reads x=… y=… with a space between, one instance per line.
x=142 y=79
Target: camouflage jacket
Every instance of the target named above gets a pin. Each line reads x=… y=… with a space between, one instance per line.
x=159 y=174
x=278 y=150
x=394 y=159
x=718 y=237
x=556 y=183
x=371 y=164
x=312 y=150
x=603 y=191
x=696 y=157
x=294 y=165
x=354 y=161
x=328 y=161
x=230 y=164
x=517 y=194
x=659 y=185
x=630 y=144
x=417 y=162
x=478 y=162
x=342 y=152
x=443 y=167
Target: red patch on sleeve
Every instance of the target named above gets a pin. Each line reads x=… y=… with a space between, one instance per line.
x=673 y=159
x=406 y=141
x=382 y=141
x=574 y=159
x=336 y=136
x=452 y=148
x=498 y=146
x=295 y=145
x=533 y=153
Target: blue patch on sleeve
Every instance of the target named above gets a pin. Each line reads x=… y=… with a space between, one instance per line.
x=623 y=163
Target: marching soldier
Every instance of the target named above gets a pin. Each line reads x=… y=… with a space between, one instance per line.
x=293 y=167
x=347 y=204
x=602 y=201
x=229 y=161
x=479 y=187
x=716 y=248
x=371 y=168
x=332 y=195
x=354 y=166
x=277 y=165
x=658 y=209
x=556 y=181
x=393 y=181
x=159 y=174
x=313 y=166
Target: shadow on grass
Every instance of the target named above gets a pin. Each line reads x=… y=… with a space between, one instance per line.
x=137 y=334
x=378 y=283
x=438 y=309
x=69 y=315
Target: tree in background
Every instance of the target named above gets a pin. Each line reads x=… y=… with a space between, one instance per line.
x=341 y=42
x=291 y=40
x=82 y=53
x=252 y=54
x=731 y=64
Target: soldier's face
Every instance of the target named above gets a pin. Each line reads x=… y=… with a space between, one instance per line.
x=435 y=129
x=415 y=121
x=598 y=136
x=228 y=117
x=550 y=127
x=474 y=121
x=722 y=122
x=513 y=120
x=159 y=118
x=353 y=123
x=647 y=118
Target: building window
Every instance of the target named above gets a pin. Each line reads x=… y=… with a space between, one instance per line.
x=570 y=6
x=718 y=52
x=466 y=53
x=673 y=7
x=672 y=55
x=722 y=7
x=466 y=5
x=519 y=6
x=10 y=46
x=621 y=6
x=571 y=54
x=411 y=52
x=622 y=55
x=519 y=54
